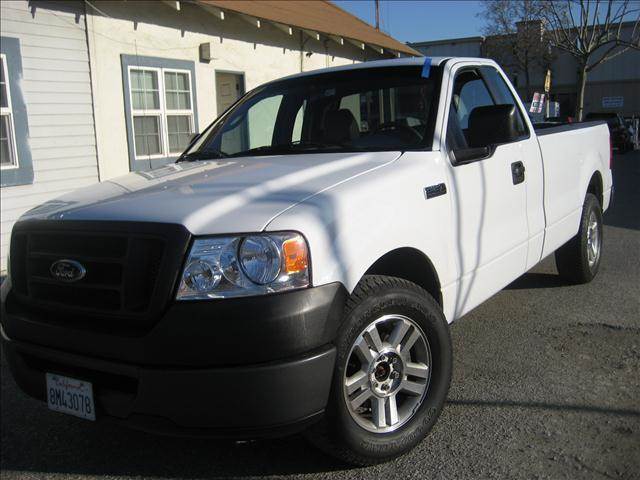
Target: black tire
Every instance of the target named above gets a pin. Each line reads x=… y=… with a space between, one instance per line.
x=572 y=259
x=338 y=433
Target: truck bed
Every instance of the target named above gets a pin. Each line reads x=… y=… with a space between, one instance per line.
x=546 y=128
x=570 y=153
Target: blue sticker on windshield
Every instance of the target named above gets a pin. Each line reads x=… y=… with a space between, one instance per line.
x=426 y=68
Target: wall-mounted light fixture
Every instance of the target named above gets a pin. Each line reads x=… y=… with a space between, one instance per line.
x=205 y=52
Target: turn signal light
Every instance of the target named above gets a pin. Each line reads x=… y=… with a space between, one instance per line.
x=296 y=257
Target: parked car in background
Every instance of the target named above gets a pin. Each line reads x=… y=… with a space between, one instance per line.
x=621 y=137
x=634 y=130
x=298 y=267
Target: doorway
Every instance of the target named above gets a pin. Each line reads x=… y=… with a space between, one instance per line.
x=229 y=88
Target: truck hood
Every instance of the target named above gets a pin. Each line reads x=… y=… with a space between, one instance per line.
x=208 y=197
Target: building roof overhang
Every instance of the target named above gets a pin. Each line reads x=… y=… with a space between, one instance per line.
x=316 y=19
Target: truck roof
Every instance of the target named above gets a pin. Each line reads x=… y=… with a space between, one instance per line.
x=394 y=62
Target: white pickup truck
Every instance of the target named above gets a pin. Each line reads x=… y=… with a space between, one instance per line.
x=298 y=266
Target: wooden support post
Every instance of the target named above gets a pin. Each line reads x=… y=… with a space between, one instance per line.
x=215 y=11
x=337 y=39
x=312 y=34
x=175 y=4
x=284 y=28
x=357 y=43
x=252 y=20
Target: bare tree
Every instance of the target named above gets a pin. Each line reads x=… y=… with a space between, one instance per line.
x=592 y=32
x=516 y=36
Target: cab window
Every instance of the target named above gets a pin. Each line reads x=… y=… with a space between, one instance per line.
x=473 y=89
x=469 y=92
x=503 y=95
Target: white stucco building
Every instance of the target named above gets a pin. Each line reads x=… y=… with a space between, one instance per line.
x=95 y=89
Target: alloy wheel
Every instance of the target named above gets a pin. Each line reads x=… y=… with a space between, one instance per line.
x=594 y=240
x=387 y=373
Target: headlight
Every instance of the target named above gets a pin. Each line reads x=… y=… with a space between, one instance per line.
x=260 y=259
x=222 y=267
x=201 y=276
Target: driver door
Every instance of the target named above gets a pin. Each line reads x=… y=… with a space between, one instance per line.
x=490 y=227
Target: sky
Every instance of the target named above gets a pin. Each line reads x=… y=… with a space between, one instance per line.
x=415 y=21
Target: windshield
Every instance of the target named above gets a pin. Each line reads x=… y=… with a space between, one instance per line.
x=353 y=110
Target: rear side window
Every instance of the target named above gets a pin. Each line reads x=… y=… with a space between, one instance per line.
x=503 y=95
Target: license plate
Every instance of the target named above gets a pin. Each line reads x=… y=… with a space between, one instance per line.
x=71 y=396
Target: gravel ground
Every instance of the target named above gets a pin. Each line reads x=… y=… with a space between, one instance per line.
x=546 y=384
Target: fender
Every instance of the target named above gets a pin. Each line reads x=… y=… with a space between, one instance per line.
x=412 y=265
x=349 y=228
x=595 y=186
x=592 y=175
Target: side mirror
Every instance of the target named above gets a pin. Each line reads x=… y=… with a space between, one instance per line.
x=467 y=155
x=492 y=125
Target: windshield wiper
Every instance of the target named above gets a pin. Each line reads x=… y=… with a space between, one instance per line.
x=274 y=150
x=318 y=145
x=201 y=155
x=264 y=149
x=289 y=148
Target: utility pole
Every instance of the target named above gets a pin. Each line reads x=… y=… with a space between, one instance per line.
x=377 y=2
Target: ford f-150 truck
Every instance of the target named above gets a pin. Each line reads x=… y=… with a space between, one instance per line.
x=296 y=269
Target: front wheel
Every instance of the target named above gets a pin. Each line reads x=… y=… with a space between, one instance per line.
x=392 y=374
x=579 y=259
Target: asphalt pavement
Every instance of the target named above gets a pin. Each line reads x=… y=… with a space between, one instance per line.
x=546 y=384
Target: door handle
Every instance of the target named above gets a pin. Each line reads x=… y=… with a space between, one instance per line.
x=517 y=172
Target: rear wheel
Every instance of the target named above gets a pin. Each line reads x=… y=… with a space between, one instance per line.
x=579 y=259
x=392 y=373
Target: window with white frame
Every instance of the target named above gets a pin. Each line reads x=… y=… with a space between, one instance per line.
x=161 y=110
x=8 y=155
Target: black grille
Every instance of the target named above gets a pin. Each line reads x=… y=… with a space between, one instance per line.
x=130 y=268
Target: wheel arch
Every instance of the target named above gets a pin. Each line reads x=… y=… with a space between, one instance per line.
x=409 y=264
x=595 y=187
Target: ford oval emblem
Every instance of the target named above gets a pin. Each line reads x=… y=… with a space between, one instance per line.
x=67 y=270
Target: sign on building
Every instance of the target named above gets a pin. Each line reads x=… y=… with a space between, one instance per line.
x=612 y=102
x=537 y=103
x=547 y=82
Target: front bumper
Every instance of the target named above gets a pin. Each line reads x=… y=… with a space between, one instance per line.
x=262 y=368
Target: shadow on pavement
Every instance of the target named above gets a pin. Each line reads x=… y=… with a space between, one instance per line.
x=538 y=280
x=626 y=182
x=546 y=406
x=103 y=451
